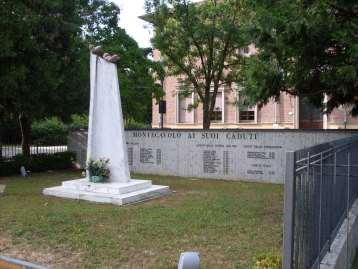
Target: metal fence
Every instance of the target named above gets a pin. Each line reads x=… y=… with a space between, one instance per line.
x=10 y=146
x=321 y=184
x=8 y=151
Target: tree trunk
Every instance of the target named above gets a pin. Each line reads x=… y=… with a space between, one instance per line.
x=0 y=148
x=206 y=116
x=25 y=126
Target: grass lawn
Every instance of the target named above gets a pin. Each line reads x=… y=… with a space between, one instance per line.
x=229 y=223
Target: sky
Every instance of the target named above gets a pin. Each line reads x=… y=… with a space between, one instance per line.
x=135 y=27
x=128 y=19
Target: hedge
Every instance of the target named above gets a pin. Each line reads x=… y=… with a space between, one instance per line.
x=49 y=131
x=37 y=163
x=78 y=122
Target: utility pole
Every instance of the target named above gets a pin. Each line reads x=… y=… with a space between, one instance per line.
x=162 y=111
x=162 y=106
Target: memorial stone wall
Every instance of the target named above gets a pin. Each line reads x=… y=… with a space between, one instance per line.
x=250 y=155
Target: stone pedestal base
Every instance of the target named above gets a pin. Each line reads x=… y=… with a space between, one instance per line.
x=133 y=191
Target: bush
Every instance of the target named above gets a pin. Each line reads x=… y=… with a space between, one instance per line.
x=9 y=167
x=38 y=163
x=268 y=262
x=78 y=122
x=137 y=125
x=50 y=131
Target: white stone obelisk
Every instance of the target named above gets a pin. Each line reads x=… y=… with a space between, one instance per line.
x=106 y=137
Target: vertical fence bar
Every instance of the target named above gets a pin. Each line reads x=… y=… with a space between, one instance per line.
x=348 y=206
x=320 y=208
x=289 y=211
x=331 y=224
x=307 y=212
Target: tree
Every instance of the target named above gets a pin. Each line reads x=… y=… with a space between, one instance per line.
x=200 y=43
x=100 y=19
x=306 y=48
x=44 y=60
x=39 y=60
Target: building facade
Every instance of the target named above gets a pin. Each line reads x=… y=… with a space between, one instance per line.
x=288 y=112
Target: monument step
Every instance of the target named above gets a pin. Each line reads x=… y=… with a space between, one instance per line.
x=118 y=199
x=110 y=188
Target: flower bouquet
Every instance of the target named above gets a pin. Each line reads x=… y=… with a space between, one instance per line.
x=98 y=170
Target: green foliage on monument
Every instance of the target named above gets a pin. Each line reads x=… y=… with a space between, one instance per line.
x=200 y=43
x=306 y=48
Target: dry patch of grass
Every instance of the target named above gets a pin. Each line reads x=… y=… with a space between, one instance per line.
x=229 y=223
x=44 y=256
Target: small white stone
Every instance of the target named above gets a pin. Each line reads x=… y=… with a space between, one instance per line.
x=2 y=189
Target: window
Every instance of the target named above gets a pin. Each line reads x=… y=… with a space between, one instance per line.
x=247 y=115
x=185 y=114
x=244 y=50
x=216 y=116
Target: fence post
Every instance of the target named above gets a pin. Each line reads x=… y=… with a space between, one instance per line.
x=289 y=211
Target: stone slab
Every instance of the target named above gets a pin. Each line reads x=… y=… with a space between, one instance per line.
x=339 y=257
x=112 y=188
x=114 y=193
x=250 y=155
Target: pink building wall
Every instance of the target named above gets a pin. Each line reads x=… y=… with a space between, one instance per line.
x=281 y=114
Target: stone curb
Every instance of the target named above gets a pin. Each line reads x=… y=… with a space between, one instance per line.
x=337 y=258
x=19 y=264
